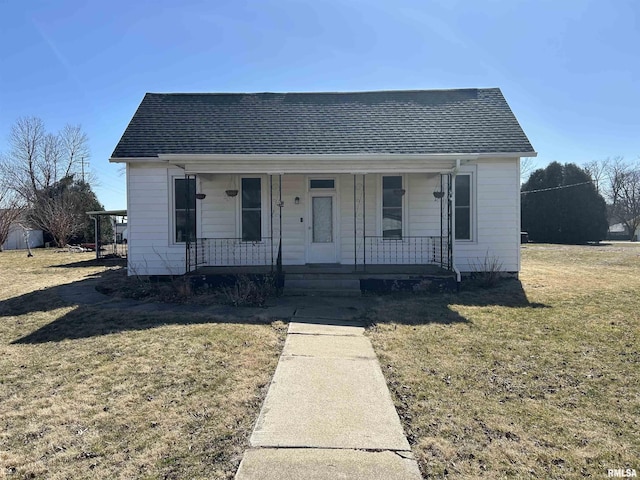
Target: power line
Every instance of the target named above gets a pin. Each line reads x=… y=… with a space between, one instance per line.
x=555 y=188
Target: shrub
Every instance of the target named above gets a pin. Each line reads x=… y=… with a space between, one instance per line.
x=250 y=291
x=487 y=272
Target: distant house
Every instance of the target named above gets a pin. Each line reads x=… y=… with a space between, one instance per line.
x=362 y=180
x=121 y=232
x=18 y=236
x=619 y=231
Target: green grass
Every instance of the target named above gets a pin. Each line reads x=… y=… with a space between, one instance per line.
x=87 y=392
x=534 y=378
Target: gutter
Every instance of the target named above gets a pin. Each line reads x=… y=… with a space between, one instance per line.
x=205 y=158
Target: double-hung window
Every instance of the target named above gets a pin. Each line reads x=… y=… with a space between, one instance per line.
x=251 y=209
x=392 y=193
x=463 y=207
x=184 y=209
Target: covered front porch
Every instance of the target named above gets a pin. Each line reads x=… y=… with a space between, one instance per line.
x=381 y=221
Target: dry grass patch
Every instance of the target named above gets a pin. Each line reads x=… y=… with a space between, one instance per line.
x=537 y=378
x=136 y=395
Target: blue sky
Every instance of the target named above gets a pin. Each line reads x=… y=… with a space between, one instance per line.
x=569 y=69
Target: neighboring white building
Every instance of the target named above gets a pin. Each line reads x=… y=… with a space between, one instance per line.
x=402 y=178
x=619 y=231
x=121 y=232
x=16 y=238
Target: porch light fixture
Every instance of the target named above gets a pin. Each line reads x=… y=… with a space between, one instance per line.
x=231 y=193
x=296 y=200
x=438 y=194
x=200 y=196
x=399 y=191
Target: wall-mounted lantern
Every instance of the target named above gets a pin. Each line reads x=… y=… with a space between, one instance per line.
x=297 y=201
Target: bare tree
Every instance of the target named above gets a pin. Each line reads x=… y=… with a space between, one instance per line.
x=624 y=193
x=527 y=166
x=75 y=148
x=39 y=169
x=37 y=159
x=598 y=172
x=57 y=215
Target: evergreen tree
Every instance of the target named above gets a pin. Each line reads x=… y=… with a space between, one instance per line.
x=560 y=204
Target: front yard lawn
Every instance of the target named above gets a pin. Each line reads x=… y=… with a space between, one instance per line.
x=538 y=378
x=137 y=395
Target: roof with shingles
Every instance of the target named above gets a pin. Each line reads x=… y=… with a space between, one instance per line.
x=385 y=122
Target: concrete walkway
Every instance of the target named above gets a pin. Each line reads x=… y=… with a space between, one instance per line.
x=328 y=413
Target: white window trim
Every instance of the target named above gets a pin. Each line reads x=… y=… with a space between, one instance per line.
x=472 y=207
x=264 y=202
x=172 y=210
x=405 y=206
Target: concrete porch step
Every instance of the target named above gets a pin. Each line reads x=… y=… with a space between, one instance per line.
x=314 y=292
x=324 y=282
x=321 y=285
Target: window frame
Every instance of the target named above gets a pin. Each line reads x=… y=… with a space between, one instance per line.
x=174 y=210
x=404 y=203
x=470 y=208
x=240 y=208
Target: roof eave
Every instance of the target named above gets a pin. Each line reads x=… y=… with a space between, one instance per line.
x=204 y=158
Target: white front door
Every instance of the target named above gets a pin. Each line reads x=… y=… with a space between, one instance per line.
x=321 y=230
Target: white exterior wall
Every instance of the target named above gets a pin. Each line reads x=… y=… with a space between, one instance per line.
x=151 y=250
x=15 y=240
x=495 y=216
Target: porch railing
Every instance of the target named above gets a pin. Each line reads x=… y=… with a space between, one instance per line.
x=234 y=252
x=432 y=250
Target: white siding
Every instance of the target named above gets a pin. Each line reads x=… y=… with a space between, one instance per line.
x=496 y=215
x=293 y=230
x=218 y=218
x=365 y=217
x=15 y=239
x=423 y=208
x=151 y=250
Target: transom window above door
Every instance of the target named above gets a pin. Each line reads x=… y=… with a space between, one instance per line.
x=322 y=183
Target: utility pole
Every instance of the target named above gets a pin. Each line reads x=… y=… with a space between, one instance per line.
x=82 y=162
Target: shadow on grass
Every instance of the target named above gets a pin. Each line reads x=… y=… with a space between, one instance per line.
x=507 y=293
x=423 y=309
x=93 y=321
x=97 y=314
x=95 y=262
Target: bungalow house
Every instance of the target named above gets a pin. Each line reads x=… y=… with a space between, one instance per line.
x=386 y=182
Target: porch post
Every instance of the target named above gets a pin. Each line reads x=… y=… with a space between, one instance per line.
x=271 y=214
x=441 y=223
x=355 y=226
x=187 y=194
x=280 y=219
x=364 y=222
x=451 y=195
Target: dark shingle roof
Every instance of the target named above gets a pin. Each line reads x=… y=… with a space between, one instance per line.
x=395 y=122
